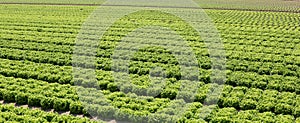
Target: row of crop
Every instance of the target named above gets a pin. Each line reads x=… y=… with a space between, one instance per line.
x=229 y=38
x=159 y=22
x=48 y=47
x=55 y=58
x=267 y=42
x=38 y=100
x=35 y=46
x=10 y=113
x=61 y=91
x=130 y=101
x=142 y=56
x=293 y=60
x=56 y=24
x=127 y=115
x=277 y=50
x=45 y=72
x=41 y=30
x=238 y=13
x=261 y=100
x=248 y=116
x=41 y=94
x=252 y=79
x=194 y=114
x=40 y=24
x=235 y=78
x=238 y=97
x=287 y=69
x=263 y=37
x=235 y=64
x=233 y=40
x=284 y=99
x=95 y=97
x=106 y=83
x=226 y=101
x=59 y=97
x=11 y=13
x=62 y=75
x=106 y=111
x=263 y=68
x=284 y=48
x=45 y=100
x=199 y=49
x=290 y=60
x=57 y=41
x=267 y=36
x=33 y=95
x=230 y=100
x=263 y=19
x=243 y=29
x=38 y=87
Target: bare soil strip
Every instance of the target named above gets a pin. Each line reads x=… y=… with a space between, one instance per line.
x=67 y=4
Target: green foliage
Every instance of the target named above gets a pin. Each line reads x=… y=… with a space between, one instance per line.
x=2 y=92
x=9 y=96
x=36 y=68
x=61 y=104
x=297 y=111
x=283 y=109
x=248 y=104
x=21 y=98
x=21 y=114
x=34 y=100
x=285 y=118
x=169 y=93
x=112 y=87
x=106 y=112
x=76 y=108
x=47 y=103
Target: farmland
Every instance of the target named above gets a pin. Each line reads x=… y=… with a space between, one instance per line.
x=37 y=82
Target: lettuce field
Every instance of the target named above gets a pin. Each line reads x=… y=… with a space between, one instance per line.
x=41 y=80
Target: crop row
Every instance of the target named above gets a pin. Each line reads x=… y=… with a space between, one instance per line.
x=262 y=19
x=138 y=107
x=194 y=114
x=87 y=95
x=60 y=74
x=20 y=114
x=288 y=67
x=35 y=87
x=244 y=20
x=249 y=116
x=245 y=98
x=277 y=93
x=39 y=94
x=105 y=83
x=261 y=47
x=227 y=31
x=263 y=101
x=264 y=40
